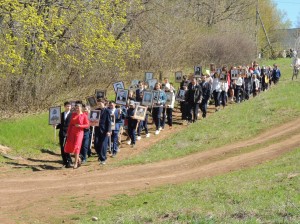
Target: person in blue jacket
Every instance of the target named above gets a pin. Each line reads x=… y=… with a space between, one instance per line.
x=119 y=115
x=276 y=74
x=158 y=107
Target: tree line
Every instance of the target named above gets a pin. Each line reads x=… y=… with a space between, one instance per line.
x=53 y=48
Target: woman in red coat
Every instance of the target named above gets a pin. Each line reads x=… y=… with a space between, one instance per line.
x=79 y=121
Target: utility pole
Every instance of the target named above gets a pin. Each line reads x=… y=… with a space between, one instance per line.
x=256 y=28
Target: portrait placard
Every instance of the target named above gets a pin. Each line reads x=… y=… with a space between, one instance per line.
x=151 y=83
x=94 y=117
x=197 y=71
x=170 y=98
x=91 y=100
x=181 y=95
x=148 y=75
x=135 y=83
x=54 y=115
x=223 y=76
x=100 y=93
x=118 y=85
x=147 y=98
x=234 y=73
x=140 y=113
x=113 y=122
x=178 y=76
x=122 y=96
x=155 y=94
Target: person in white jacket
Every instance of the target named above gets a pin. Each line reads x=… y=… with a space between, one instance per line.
x=216 y=88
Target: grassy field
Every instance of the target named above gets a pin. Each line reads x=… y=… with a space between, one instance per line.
x=268 y=193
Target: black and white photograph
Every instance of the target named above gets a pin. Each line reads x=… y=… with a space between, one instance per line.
x=148 y=75
x=113 y=122
x=140 y=113
x=155 y=96
x=135 y=83
x=223 y=76
x=147 y=98
x=151 y=83
x=170 y=98
x=180 y=95
x=122 y=96
x=100 y=93
x=54 y=115
x=197 y=71
x=94 y=117
x=234 y=73
x=178 y=76
x=91 y=100
x=118 y=85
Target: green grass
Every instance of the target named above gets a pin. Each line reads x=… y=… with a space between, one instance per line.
x=268 y=193
x=28 y=135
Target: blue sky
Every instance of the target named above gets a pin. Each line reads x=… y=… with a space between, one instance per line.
x=292 y=9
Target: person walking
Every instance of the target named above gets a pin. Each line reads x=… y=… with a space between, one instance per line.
x=79 y=121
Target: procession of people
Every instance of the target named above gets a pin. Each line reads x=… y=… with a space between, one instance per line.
x=99 y=130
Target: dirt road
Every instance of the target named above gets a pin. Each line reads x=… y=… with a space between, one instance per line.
x=28 y=196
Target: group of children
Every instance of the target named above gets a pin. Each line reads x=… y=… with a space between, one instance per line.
x=218 y=86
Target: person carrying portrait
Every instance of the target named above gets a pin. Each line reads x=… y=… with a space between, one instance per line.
x=132 y=123
x=193 y=98
x=158 y=107
x=63 y=128
x=86 y=137
x=206 y=90
x=168 y=109
x=255 y=86
x=238 y=89
x=184 y=82
x=248 y=83
x=119 y=115
x=79 y=121
x=102 y=133
x=225 y=82
x=143 y=124
x=139 y=92
x=216 y=88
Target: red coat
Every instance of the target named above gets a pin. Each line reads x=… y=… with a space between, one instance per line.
x=75 y=134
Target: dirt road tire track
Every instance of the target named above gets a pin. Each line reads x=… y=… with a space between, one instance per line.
x=26 y=193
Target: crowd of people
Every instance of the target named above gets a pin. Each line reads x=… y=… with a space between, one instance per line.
x=220 y=86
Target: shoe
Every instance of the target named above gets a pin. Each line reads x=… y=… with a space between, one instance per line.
x=160 y=128
x=68 y=165
x=157 y=132
x=129 y=142
x=138 y=138
x=147 y=135
x=83 y=161
x=102 y=163
x=113 y=155
x=132 y=145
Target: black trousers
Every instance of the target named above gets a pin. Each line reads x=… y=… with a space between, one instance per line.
x=66 y=157
x=193 y=109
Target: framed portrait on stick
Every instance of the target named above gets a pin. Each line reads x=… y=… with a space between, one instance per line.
x=135 y=83
x=140 y=113
x=147 y=98
x=234 y=73
x=170 y=98
x=122 y=96
x=54 y=115
x=223 y=76
x=178 y=76
x=180 y=95
x=148 y=75
x=91 y=100
x=118 y=85
x=197 y=71
x=113 y=122
x=100 y=93
x=94 y=117
x=155 y=94
x=151 y=83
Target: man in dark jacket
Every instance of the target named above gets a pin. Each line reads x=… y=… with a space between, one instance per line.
x=206 y=90
x=63 y=129
x=193 y=98
x=103 y=133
